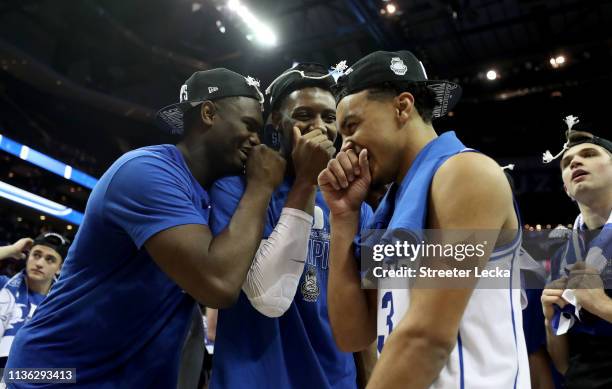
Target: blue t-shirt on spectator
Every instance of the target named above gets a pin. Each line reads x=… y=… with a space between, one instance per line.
x=114 y=315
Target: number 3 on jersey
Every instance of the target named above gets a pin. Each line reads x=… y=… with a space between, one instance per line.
x=387 y=302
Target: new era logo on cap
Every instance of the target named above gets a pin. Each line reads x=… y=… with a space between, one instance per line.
x=183 y=95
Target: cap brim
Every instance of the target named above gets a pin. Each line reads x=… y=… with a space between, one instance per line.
x=171 y=117
x=447 y=93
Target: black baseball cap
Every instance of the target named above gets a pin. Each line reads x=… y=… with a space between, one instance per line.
x=399 y=69
x=55 y=241
x=205 y=85
x=300 y=76
x=583 y=132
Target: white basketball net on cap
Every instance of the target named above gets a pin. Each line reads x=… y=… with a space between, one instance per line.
x=301 y=73
x=570 y=121
x=255 y=84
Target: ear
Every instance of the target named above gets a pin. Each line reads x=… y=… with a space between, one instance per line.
x=404 y=106
x=207 y=113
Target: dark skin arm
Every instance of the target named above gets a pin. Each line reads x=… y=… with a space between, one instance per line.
x=212 y=270
x=344 y=284
x=539 y=369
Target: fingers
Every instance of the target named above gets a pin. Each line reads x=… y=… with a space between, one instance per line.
x=312 y=134
x=25 y=243
x=297 y=134
x=336 y=168
x=552 y=292
x=329 y=148
x=316 y=137
x=327 y=178
x=364 y=164
x=553 y=296
x=346 y=164
x=550 y=300
x=354 y=161
x=344 y=169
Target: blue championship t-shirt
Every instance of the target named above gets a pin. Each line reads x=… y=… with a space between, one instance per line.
x=296 y=350
x=113 y=315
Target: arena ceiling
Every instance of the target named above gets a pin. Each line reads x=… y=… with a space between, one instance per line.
x=92 y=73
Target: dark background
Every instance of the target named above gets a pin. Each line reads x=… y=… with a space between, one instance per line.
x=81 y=80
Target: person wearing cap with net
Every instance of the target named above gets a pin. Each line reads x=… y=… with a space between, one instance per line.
x=577 y=305
x=124 y=312
x=278 y=334
x=433 y=337
x=22 y=293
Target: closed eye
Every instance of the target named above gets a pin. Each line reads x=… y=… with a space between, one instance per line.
x=302 y=116
x=329 y=118
x=252 y=125
x=351 y=127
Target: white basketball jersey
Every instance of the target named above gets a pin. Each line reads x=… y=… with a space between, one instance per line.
x=490 y=352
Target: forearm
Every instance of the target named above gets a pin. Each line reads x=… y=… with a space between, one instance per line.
x=345 y=298
x=557 y=349
x=274 y=276
x=425 y=356
x=301 y=196
x=540 y=370
x=7 y=252
x=232 y=251
x=603 y=308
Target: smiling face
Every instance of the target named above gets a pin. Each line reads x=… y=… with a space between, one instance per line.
x=586 y=170
x=373 y=124
x=309 y=109
x=236 y=124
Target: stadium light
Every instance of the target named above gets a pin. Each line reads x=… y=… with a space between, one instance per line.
x=492 y=75
x=557 y=61
x=391 y=8
x=261 y=32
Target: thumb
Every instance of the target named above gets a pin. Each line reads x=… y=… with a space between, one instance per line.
x=364 y=164
x=297 y=134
